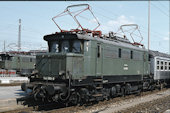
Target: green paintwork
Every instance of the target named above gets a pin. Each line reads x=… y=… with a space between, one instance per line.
x=18 y=62
x=50 y=64
x=89 y=64
x=111 y=65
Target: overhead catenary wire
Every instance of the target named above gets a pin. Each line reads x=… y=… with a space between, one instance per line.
x=163 y=6
x=154 y=32
x=159 y=35
x=156 y=36
x=160 y=10
x=112 y=13
x=109 y=18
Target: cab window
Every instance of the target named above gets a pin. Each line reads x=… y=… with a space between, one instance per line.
x=76 y=46
x=65 y=46
x=54 y=47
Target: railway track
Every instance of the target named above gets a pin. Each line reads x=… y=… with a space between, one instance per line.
x=157 y=106
x=91 y=107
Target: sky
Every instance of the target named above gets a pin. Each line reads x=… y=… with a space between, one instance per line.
x=37 y=21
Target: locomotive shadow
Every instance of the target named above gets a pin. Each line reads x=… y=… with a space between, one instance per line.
x=39 y=106
x=20 y=93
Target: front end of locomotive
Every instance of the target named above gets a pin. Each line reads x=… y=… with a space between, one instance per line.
x=51 y=80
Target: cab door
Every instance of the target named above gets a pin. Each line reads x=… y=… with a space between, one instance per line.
x=99 y=60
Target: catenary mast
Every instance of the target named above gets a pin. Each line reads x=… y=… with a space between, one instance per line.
x=19 y=36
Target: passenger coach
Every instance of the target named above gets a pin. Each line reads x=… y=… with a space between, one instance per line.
x=160 y=66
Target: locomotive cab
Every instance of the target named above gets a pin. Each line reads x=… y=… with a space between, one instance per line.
x=65 y=57
x=58 y=67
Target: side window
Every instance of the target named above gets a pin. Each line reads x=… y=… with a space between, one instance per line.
x=65 y=46
x=131 y=54
x=157 y=63
x=120 y=53
x=76 y=48
x=98 y=50
x=169 y=65
x=54 y=47
x=162 y=65
x=166 y=66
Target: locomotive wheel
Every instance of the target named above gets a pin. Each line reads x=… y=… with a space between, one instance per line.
x=39 y=93
x=74 y=98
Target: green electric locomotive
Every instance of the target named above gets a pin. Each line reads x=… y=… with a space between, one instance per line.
x=83 y=65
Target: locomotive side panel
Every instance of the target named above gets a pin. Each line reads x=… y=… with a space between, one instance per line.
x=74 y=65
x=125 y=64
x=146 y=64
x=90 y=58
x=120 y=61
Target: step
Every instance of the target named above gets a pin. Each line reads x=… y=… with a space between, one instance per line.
x=98 y=80
x=99 y=87
x=97 y=95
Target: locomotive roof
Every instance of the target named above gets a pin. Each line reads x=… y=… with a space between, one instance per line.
x=124 y=43
x=157 y=53
x=112 y=41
